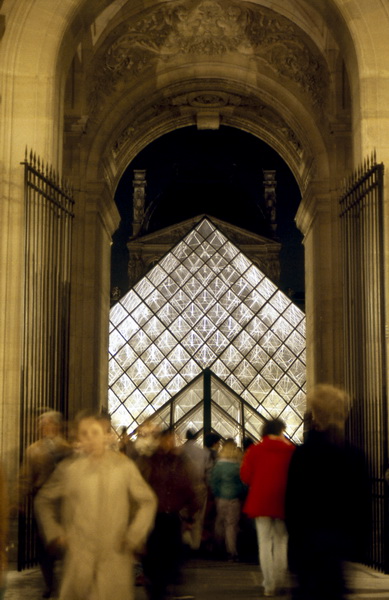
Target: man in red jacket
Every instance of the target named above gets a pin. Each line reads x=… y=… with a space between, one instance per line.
x=265 y=470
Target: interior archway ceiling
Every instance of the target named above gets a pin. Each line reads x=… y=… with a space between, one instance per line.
x=208 y=31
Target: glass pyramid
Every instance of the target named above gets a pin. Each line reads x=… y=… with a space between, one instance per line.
x=206 y=305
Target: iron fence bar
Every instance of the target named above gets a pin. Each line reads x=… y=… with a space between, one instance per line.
x=361 y=213
x=47 y=258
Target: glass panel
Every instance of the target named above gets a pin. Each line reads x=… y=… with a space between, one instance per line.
x=205 y=228
x=280 y=301
x=136 y=403
x=140 y=341
x=205 y=356
x=168 y=288
x=241 y=263
x=284 y=358
x=259 y=388
x=117 y=314
x=267 y=288
x=205 y=328
x=141 y=314
x=217 y=263
x=205 y=251
x=155 y=301
x=190 y=370
x=192 y=314
x=153 y=328
x=205 y=300
x=223 y=313
x=217 y=342
x=294 y=315
x=156 y=275
x=193 y=263
x=282 y=328
x=114 y=371
x=274 y=404
x=143 y=288
x=126 y=356
x=179 y=327
x=165 y=372
x=178 y=357
x=123 y=387
x=229 y=251
x=254 y=276
x=235 y=384
x=152 y=356
x=170 y=263
x=243 y=314
x=116 y=341
x=245 y=372
x=130 y=301
x=268 y=315
x=167 y=314
x=205 y=275
x=175 y=385
x=180 y=274
x=192 y=342
x=225 y=427
x=150 y=387
x=139 y=371
x=217 y=239
x=217 y=287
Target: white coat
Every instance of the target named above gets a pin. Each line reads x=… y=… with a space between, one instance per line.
x=107 y=511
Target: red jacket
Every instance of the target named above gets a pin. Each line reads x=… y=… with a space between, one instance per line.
x=265 y=470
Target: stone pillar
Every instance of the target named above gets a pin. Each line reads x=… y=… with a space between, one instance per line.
x=318 y=220
x=139 y=185
x=96 y=220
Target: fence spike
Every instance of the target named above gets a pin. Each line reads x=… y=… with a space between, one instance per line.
x=25 y=154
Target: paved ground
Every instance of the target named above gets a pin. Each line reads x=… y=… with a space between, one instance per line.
x=213 y=580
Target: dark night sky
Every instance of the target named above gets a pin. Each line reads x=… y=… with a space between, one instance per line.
x=190 y=172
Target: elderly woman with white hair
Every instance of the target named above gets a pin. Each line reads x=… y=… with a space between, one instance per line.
x=327 y=500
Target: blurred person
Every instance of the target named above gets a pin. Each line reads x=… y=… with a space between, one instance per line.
x=228 y=490
x=41 y=458
x=168 y=473
x=264 y=469
x=201 y=466
x=212 y=442
x=106 y=512
x=327 y=500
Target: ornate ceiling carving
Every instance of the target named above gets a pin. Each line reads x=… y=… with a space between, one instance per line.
x=212 y=29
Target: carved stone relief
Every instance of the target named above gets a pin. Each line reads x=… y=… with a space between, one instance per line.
x=211 y=28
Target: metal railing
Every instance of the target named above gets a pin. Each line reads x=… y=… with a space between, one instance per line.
x=361 y=213
x=47 y=257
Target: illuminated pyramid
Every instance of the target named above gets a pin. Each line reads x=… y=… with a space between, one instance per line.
x=205 y=305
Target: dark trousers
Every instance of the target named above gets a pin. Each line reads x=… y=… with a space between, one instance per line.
x=163 y=559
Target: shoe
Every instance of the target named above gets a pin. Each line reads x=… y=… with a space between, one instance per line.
x=268 y=593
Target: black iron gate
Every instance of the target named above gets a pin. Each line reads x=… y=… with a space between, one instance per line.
x=44 y=377
x=365 y=351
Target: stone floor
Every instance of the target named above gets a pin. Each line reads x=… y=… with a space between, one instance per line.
x=213 y=580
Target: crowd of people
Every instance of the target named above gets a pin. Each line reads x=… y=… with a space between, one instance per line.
x=114 y=513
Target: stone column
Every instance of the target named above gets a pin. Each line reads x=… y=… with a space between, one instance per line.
x=96 y=220
x=318 y=220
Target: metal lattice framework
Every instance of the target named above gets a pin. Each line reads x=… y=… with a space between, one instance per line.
x=205 y=305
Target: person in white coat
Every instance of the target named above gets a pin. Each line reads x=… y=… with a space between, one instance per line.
x=107 y=512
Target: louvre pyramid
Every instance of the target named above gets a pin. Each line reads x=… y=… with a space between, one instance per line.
x=206 y=305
